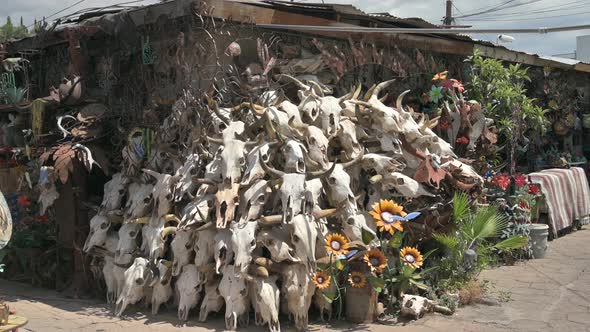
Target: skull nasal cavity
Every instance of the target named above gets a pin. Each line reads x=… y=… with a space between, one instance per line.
x=223 y=208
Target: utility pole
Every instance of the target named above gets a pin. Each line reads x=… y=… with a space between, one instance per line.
x=448 y=20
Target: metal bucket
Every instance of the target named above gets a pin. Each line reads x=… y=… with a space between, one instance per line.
x=538 y=237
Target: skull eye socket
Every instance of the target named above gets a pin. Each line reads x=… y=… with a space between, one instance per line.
x=193 y=171
x=350 y=221
x=253 y=243
x=132 y=233
x=104 y=225
x=332 y=180
x=147 y=200
x=243 y=292
x=270 y=242
x=312 y=140
x=261 y=199
x=169 y=196
x=314 y=112
x=121 y=191
x=295 y=238
x=265 y=157
x=242 y=161
x=187 y=245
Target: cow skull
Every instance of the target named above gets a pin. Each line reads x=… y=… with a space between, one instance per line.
x=298 y=289
x=213 y=301
x=182 y=249
x=223 y=249
x=234 y=291
x=276 y=240
x=185 y=185
x=162 y=192
x=253 y=201
x=243 y=242
x=114 y=191
x=204 y=246
x=139 y=201
x=136 y=278
x=304 y=233
x=188 y=286
x=128 y=240
x=161 y=288
x=265 y=300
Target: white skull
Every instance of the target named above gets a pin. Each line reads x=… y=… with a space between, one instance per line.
x=348 y=140
x=197 y=211
x=127 y=245
x=162 y=192
x=139 y=201
x=294 y=157
x=161 y=288
x=243 y=242
x=114 y=191
x=405 y=185
x=329 y=115
x=234 y=291
x=47 y=189
x=415 y=306
x=223 y=249
x=182 y=249
x=99 y=226
x=298 y=288
x=354 y=225
x=304 y=233
x=136 y=277
x=338 y=189
x=154 y=237
x=188 y=286
x=276 y=240
x=253 y=201
x=317 y=147
x=213 y=301
x=254 y=170
x=204 y=246
x=185 y=184
x=265 y=300
x=462 y=170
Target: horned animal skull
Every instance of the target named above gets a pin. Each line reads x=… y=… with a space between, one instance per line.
x=136 y=278
x=188 y=286
x=234 y=291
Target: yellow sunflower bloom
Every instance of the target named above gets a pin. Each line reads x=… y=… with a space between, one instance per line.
x=336 y=244
x=411 y=257
x=376 y=260
x=384 y=212
x=321 y=280
x=357 y=280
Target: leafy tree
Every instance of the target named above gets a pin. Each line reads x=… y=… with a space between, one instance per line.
x=9 y=31
x=502 y=90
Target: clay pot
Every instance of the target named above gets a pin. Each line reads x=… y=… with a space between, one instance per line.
x=361 y=303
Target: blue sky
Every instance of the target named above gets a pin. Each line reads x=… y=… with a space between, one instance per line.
x=527 y=14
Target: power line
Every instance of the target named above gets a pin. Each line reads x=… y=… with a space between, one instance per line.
x=560 y=8
x=60 y=11
x=524 y=19
x=420 y=30
x=502 y=6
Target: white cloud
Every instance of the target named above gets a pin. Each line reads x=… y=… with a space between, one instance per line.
x=430 y=10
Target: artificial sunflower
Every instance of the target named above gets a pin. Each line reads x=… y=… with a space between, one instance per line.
x=321 y=280
x=384 y=214
x=336 y=244
x=357 y=280
x=411 y=257
x=376 y=260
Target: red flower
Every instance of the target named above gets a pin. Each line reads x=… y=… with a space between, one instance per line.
x=534 y=189
x=42 y=219
x=23 y=201
x=524 y=205
x=502 y=181
x=458 y=85
x=519 y=180
x=462 y=140
x=447 y=85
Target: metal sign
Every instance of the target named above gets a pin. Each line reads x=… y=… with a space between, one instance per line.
x=5 y=222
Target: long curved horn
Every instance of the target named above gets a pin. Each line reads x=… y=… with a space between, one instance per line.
x=433 y=123
x=203 y=181
x=271 y=220
x=167 y=231
x=384 y=98
x=400 y=98
x=213 y=104
x=354 y=161
x=139 y=221
x=369 y=92
x=171 y=217
x=215 y=140
x=357 y=92
x=318 y=87
x=296 y=81
x=154 y=174
x=320 y=174
x=379 y=88
x=269 y=170
x=324 y=213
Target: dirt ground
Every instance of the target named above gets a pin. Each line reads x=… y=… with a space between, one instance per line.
x=550 y=294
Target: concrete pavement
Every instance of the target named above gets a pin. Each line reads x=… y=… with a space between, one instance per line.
x=550 y=294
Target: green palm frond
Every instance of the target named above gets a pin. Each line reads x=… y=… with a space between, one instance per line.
x=486 y=223
x=460 y=206
x=447 y=241
x=511 y=243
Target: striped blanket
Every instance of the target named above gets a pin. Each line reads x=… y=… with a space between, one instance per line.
x=567 y=195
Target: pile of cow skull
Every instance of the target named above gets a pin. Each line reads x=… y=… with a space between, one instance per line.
x=239 y=219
